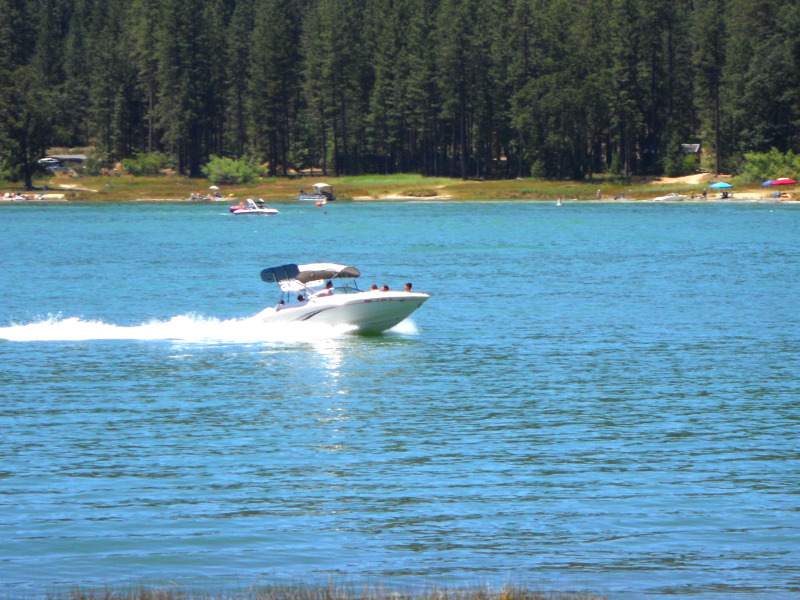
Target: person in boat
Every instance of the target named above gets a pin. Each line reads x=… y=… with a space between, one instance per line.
x=385 y=288
x=301 y=298
x=374 y=287
x=328 y=291
x=408 y=286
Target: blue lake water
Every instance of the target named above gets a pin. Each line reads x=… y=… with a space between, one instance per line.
x=597 y=397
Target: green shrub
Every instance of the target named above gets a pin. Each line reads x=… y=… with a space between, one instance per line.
x=95 y=164
x=539 y=169
x=143 y=164
x=226 y=171
x=680 y=164
x=758 y=167
x=9 y=170
x=616 y=167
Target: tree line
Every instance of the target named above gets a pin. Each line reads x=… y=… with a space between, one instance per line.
x=463 y=88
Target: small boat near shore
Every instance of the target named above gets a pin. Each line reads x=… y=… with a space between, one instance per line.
x=327 y=293
x=253 y=207
x=671 y=197
x=322 y=194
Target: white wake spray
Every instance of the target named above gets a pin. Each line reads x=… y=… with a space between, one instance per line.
x=182 y=328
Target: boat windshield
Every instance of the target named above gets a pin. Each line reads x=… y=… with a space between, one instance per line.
x=310 y=279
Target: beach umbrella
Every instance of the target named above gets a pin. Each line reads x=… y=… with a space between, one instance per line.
x=720 y=185
x=767 y=182
x=782 y=181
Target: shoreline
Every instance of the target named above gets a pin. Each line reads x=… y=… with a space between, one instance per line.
x=564 y=201
x=389 y=188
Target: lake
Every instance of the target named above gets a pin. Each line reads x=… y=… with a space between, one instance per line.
x=597 y=397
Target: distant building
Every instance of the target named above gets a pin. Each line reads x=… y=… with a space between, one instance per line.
x=691 y=148
x=66 y=159
x=62 y=162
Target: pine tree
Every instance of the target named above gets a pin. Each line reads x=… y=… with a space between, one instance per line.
x=709 y=59
x=28 y=99
x=338 y=81
x=188 y=107
x=457 y=56
x=625 y=45
x=387 y=26
x=422 y=95
x=759 y=76
x=27 y=106
x=274 y=83
x=239 y=44
x=143 y=31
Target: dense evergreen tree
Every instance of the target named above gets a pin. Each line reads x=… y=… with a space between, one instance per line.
x=116 y=108
x=760 y=76
x=387 y=121
x=28 y=97
x=458 y=65
x=274 y=83
x=338 y=81
x=238 y=45
x=710 y=55
x=471 y=88
x=143 y=47
x=189 y=55
x=27 y=117
x=423 y=153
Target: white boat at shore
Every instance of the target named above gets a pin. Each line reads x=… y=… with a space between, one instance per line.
x=322 y=194
x=253 y=207
x=671 y=197
x=327 y=293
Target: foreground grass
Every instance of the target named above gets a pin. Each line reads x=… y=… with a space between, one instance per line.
x=368 y=187
x=327 y=592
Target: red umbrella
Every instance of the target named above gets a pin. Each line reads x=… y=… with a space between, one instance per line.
x=782 y=181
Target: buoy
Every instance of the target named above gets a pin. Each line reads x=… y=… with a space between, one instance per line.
x=319 y=203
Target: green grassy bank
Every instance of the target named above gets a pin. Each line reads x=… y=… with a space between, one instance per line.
x=368 y=187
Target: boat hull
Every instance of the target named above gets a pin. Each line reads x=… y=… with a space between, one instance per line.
x=319 y=198
x=671 y=198
x=365 y=312
x=256 y=211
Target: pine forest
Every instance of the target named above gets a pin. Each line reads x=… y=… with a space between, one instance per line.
x=461 y=88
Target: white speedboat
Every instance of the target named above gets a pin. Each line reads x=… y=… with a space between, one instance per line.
x=253 y=207
x=322 y=194
x=327 y=293
x=671 y=197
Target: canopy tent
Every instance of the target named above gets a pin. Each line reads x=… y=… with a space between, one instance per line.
x=278 y=274
x=321 y=187
x=307 y=273
x=317 y=271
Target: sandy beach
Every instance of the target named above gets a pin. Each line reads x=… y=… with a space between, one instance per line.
x=397 y=188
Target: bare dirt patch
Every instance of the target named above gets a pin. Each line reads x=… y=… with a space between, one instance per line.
x=696 y=179
x=75 y=188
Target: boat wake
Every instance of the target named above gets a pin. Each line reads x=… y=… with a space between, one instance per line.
x=183 y=328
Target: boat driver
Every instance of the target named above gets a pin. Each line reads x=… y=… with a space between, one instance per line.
x=328 y=291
